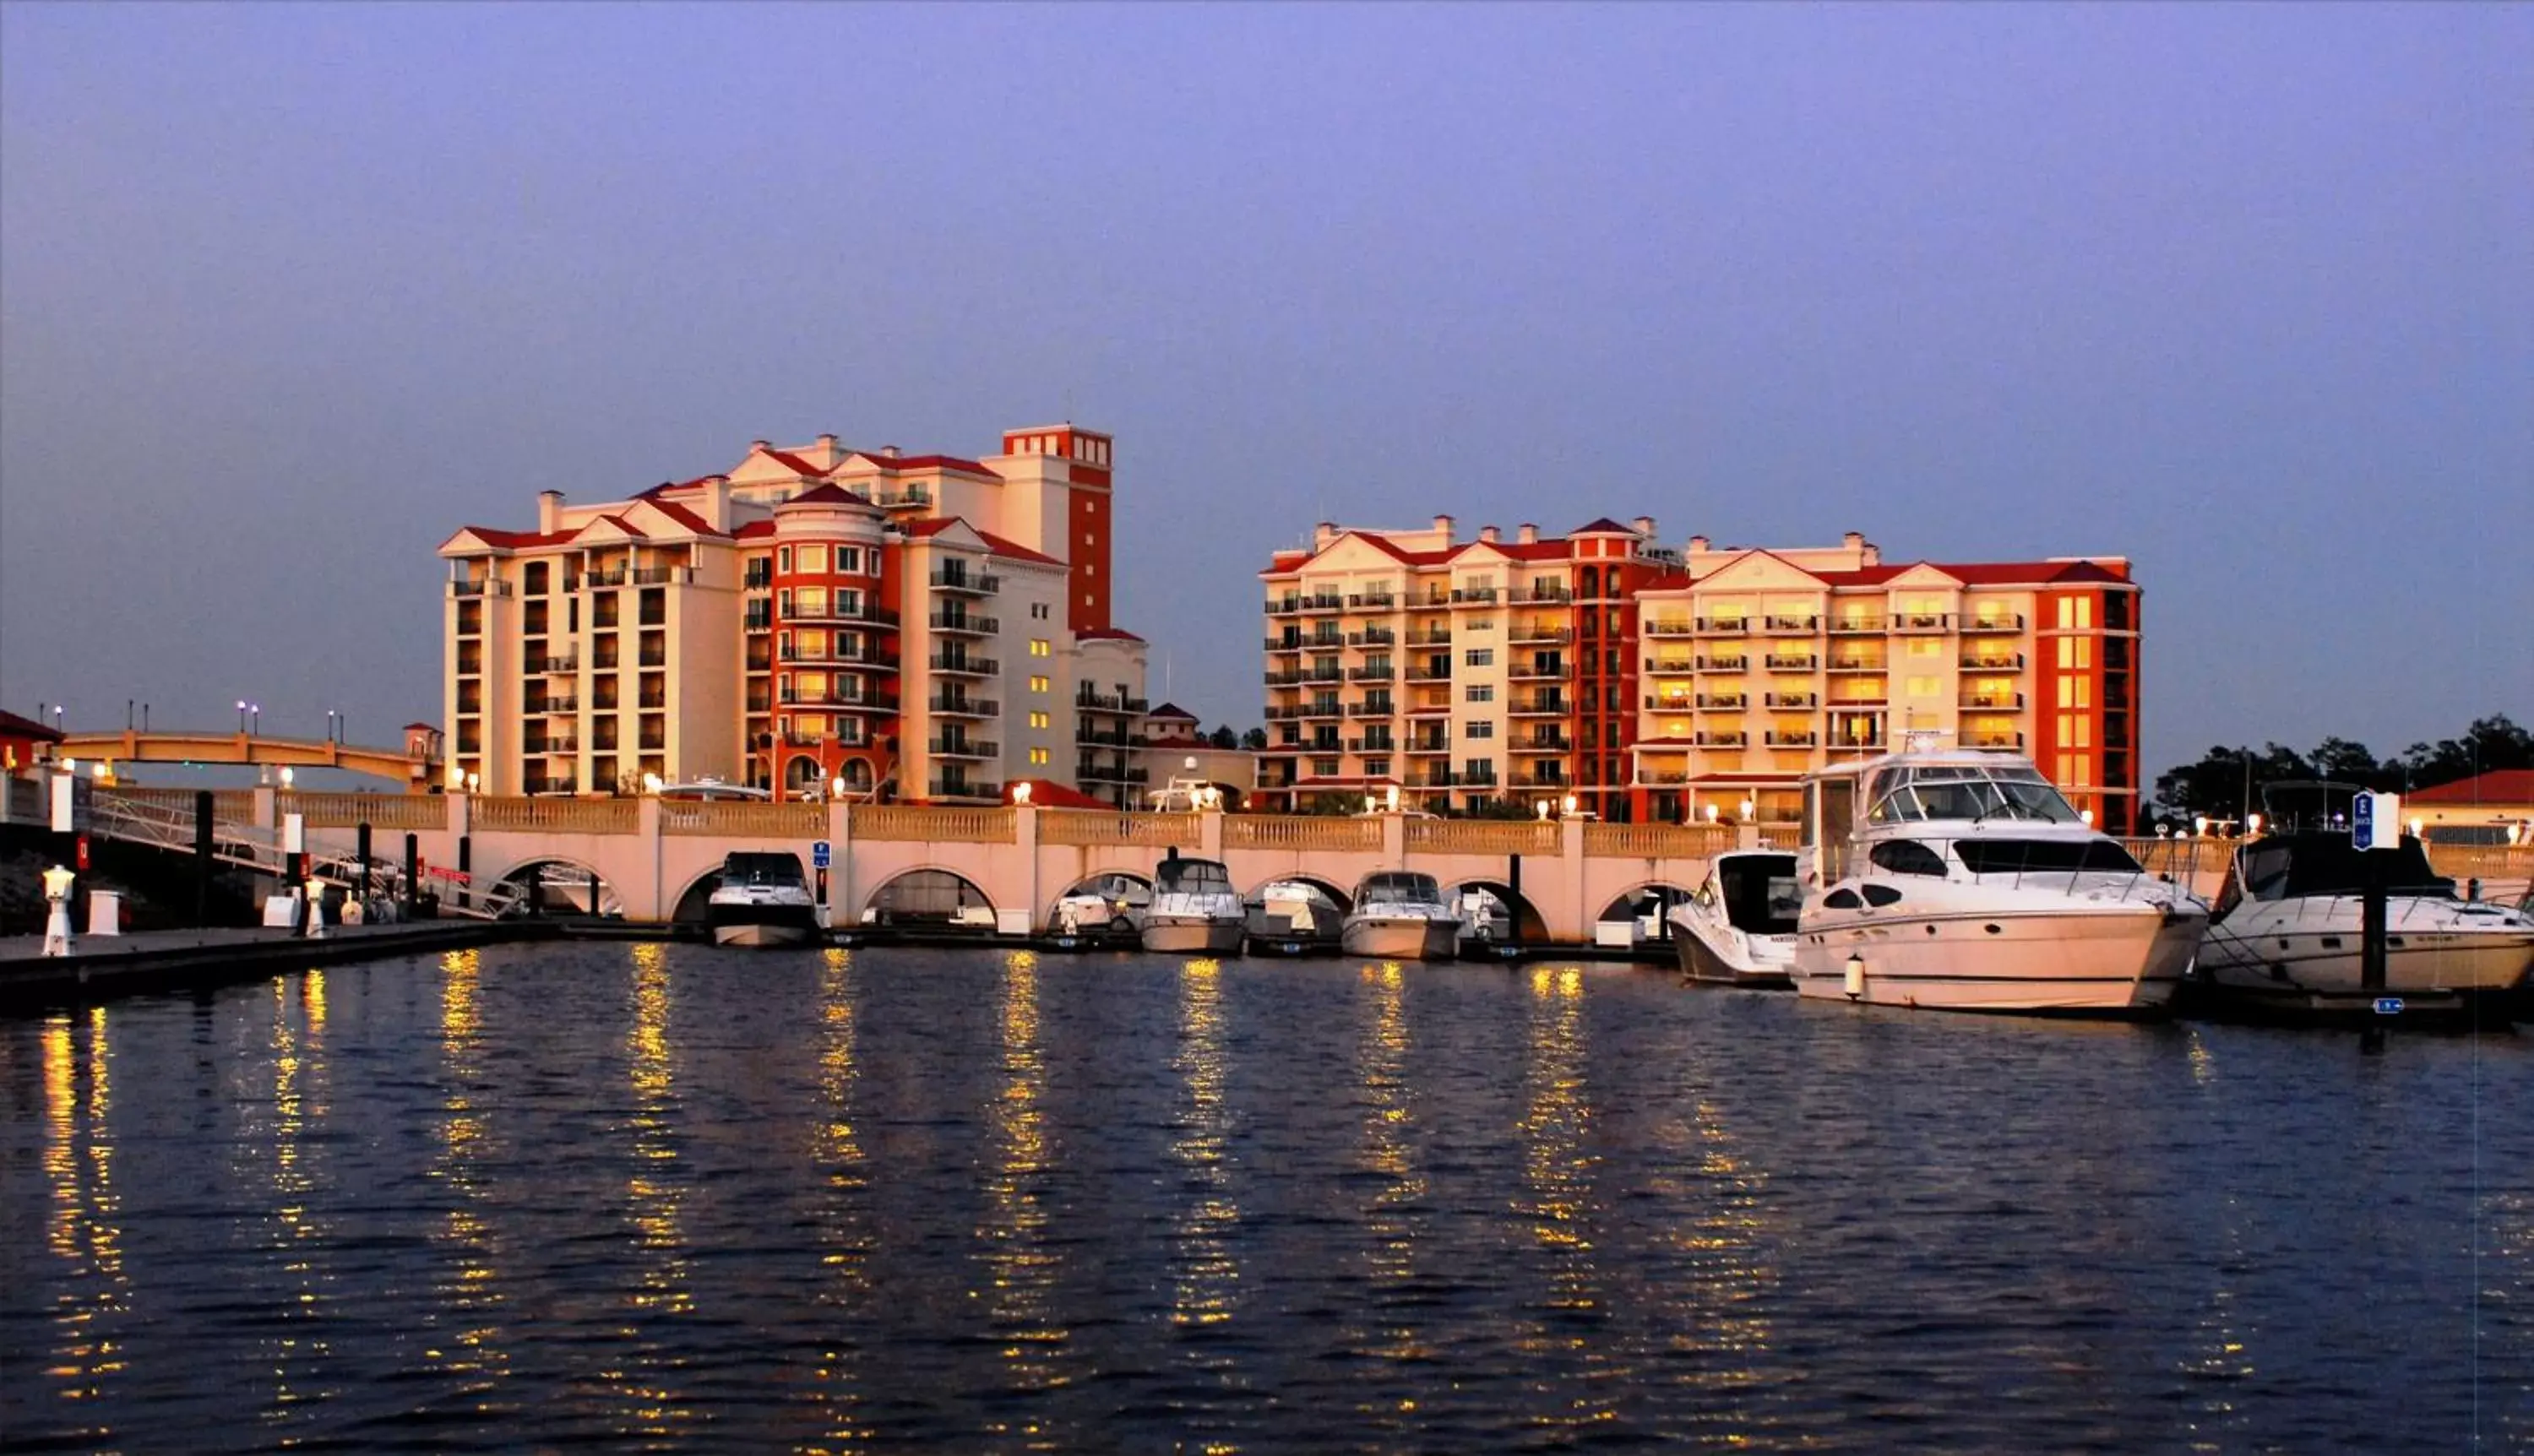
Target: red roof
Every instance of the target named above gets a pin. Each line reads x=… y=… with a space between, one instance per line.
x=2509 y=786
x=1107 y=633
x=754 y=528
x=1171 y=710
x=683 y=517
x=1015 y=549
x=1602 y=526
x=1047 y=793
x=514 y=540
x=823 y=495
x=895 y=463
x=14 y=726
x=931 y=526
x=790 y=461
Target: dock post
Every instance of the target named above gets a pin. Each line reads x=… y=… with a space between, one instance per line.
x=361 y=849
x=204 y=843
x=1513 y=881
x=2372 y=949
x=412 y=874
x=465 y=867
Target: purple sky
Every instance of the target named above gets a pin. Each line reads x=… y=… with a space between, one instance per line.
x=287 y=293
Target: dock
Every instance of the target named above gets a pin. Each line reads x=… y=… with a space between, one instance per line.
x=103 y=966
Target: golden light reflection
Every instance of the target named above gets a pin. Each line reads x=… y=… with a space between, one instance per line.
x=466 y=1338
x=837 y=1149
x=654 y=1198
x=1556 y=1193
x=93 y=1295
x=1387 y=1147
x=299 y=1093
x=2221 y=1352
x=1205 y=1274
x=1021 y=1266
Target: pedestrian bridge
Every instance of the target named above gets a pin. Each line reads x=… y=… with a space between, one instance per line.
x=209 y=746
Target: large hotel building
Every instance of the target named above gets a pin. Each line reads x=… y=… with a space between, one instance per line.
x=1659 y=685
x=922 y=625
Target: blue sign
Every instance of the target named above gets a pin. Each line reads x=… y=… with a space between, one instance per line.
x=2388 y=1006
x=2361 y=821
x=820 y=855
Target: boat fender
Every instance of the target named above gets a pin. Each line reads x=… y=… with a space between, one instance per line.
x=1855 y=977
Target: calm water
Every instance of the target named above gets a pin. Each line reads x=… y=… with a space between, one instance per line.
x=630 y=1196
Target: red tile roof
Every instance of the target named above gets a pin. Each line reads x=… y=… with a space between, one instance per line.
x=756 y=528
x=684 y=517
x=790 y=461
x=1015 y=549
x=14 y=726
x=931 y=526
x=823 y=495
x=2498 y=786
x=899 y=464
x=1107 y=635
x=514 y=540
x=1047 y=793
x=1173 y=712
x=1602 y=526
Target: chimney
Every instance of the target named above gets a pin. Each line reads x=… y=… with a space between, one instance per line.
x=1489 y=534
x=1854 y=540
x=1526 y=533
x=1443 y=526
x=754 y=446
x=1871 y=556
x=889 y=451
x=716 y=512
x=828 y=450
x=549 y=511
x=1322 y=534
x=1697 y=544
x=1645 y=525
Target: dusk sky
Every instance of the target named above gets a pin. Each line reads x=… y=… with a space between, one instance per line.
x=2246 y=293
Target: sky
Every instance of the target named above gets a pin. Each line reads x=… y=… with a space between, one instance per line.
x=2243 y=293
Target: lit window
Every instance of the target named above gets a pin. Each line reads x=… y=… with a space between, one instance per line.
x=1038 y=755
x=1038 y=683
x=813 y=558
x=1039 y=647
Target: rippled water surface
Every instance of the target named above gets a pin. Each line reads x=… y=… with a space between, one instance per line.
x=628 y=1196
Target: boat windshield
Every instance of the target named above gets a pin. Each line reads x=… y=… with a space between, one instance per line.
x=2032 y=856
x=1191 y=876
x=1946 y=791
x=1396 y=888
x=760 y=868
x=2325 y=863
x=1760 y=893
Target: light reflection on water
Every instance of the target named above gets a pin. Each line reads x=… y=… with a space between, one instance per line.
x=685 y=1197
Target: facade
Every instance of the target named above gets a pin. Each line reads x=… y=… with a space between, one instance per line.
x=2495 y=806
x=1659 y=685
x=1461 y=673
x=918 y=628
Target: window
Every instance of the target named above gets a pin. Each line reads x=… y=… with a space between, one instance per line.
x=2030 y=856
x=1088 y=539
x=1038 y=683
x=1039 y=647
x=1037 y=720
x=1880 y=895
x=1841 y=899
x=2075 y=651
x=1324 y=767
x=1482 y=728
x=1907 y=857
x=1377 y=767
x=1038 y=611
x=2075 y=692
x=1926 y=686
x=1038 y=755
x=1480 y=657
x=1926 y=647
x=1480 y=693
x=2075 y=731
x=783 y=558
x=813 y=557
x=2076 y=613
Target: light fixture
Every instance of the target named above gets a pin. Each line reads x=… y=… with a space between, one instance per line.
x=70 y=766
x=1391 y=795
x=2251 y=824
x=2086 y=817
x=473 y=782
x=1020 y=790
x=1570 y=803
x=2515 y=833
x=1750 y=809
x=2415 y=827
x=1371 y=803
x=457 y=777
x=1544 y=809
x=2200 y=825
x=650 y=782
x=287 y=775
x=1714 y=813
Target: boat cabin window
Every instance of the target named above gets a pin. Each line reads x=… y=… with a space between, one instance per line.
x=1396 y=888
x=1841 y=899
x=1907 y=857
x=1759 y=894
x=2035 y=856
x=1195 y=877
x=1881 y=894
x=760 y=868
x=1946 y=791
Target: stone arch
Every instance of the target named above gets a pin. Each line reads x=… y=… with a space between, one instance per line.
x=1101 y=882
x=856 y=771
x=928 y=895
x=691 y=905
x=1653 y=897
x=801 y=771
x=582 y=891
x=1525 y=915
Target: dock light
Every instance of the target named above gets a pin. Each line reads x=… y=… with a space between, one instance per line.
x=1750 y=809
x=1570 y=804
x=287 y=775
x=1020 y=791
x=1543 y=807
x=472 y=781
x=2252 y=824
x=1712 y=813
x=650 y=782
x=2200 y=825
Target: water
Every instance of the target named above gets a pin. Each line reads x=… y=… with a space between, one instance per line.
x=639 y=1196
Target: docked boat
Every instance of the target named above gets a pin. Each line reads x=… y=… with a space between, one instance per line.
x=762 y=900
x=1738 y=927
x=1401 y=915
x=1194 y=909
x=1961 y=879
x=2288 y=934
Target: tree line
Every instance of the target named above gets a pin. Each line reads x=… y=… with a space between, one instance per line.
x=2226 y=780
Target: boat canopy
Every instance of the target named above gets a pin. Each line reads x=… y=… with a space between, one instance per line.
x=1398 y=887
x=1906 y=792
x=1757 y=891
x=1191 y=876
x=2322 y=862
x=758 y=866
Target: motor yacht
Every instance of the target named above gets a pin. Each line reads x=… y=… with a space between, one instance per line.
x=762 y=900
x=1961 y=879
x=1738 y=927
x=1401 y=915
x=1194 y=909
x=2288 y=934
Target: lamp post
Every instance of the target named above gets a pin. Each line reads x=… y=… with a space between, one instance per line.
x=331 y=716
x=241 y=715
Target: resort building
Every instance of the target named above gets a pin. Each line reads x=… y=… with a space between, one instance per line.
x=918 y=628
x=1668 y=686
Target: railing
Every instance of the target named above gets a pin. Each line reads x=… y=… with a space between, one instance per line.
x=480 y=586
x=913 y=495
x=555 y=705
x=1856 y=624
x=1301 y=833
x=963 y=621
x=1792 y=662
x=1979 y=622
x=1373 y=637
x=1669 y=667
x=1791 y=624
x=561 y=664
x=1091 y=827
x=555 y=815
x=1781 y=836
x=1484 y=836
x=1281 y=644
x=1800 y=739
x=1656 y=842
x=908 y=823
x=1369 y=675
x=228 y=805
x=1724 y=700
x=1857 y=664
x=754 y=821
x=983 y=667
x=1792 y=700
x=1723 y=740
x=378 y=811
x=2482 y=862
x=961 y=748
x=1993 y=700
x=1995 y=662
x=1540 y=633
x=1727 y=626
x=1994 y=741
x=1661 y=628
x=1379 y=600
x=950 y=581
x=1724 y=664
x=1922 y=621
x=964 y=707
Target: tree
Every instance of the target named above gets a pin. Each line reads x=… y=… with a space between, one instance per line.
x=2226 y=782
x=2495 y=742
x=1223 y=736
x=1255 y=740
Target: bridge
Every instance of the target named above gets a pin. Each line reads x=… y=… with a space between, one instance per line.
x=209 y=745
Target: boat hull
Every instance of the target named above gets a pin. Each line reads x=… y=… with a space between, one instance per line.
x=1720 y=966
x=761 y=934
x=762 y=924
x=2126 y=962
x=1401 y=938
x=1194 y=937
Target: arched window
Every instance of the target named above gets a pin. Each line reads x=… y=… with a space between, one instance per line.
x=1841 y=899
x=1879 y=896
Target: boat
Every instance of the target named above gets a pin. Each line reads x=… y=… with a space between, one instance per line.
x=762 y=900
x=1401 y=915
x=2288 y=934
x=1194 y=908
x=1292 y=918
x=1961 y=879
x=1738 y=927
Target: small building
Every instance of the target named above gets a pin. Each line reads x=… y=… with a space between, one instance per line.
x=1177 y=750
x=2479 y=810
x=22 y=742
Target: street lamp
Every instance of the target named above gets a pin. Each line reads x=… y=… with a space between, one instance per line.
x=473 y=781
x=241 y=715
x=287 y=775
x=331 y=716
x=1020 y=791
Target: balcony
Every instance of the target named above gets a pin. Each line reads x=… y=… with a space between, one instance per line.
x=958 y=665
x=1432 y=601
x=1857 y=664
x=1735 y=663
x=1792 y=700
x=910 y=495
x=1111 y=773
x=1922 y=622
x=612 y=576
x=1858 y=699
x=1371 y=674
x=963 y=623
x=1870 y=743
x=1284 y=644
x=480 y=586
x=552 y=746
x=1540 y=593
x=1549 y=706
x=1539 y=671
x=1993 y=740
x=1792 y=662
x=1372 y=708
x=1993 y=662
x=960 y=706
x=1427 y=675
x=1522 y=633
x=1373 y=637
x=561 y=665
x=1992 y=622
x=1474 y=596
x=1730 y=738
x=951 y=580
x=1551 y=780
x=1432 y=636
x=1995 y=701
x=1670 y=702
x=835 y=611
x=960 y=748
x=659 y=576
x=1107 y=702
x=1428 y=745
x=1723 y=625
x=1370 y=744
x=1320 y=708
x=1722 y=700
x=1540 y=743
x=1656 y=627
x=862 y=656
x=1377 y=601
x=1802 y=626
x=758 y=577
x=1326 y=601
x=1671 y=667
x=1794 y=738
x=758 y=617
x=1856 y=624
x=956 y=786
x=558 y=705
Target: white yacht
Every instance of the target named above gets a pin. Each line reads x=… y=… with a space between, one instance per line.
x=762 y=900
x=1738 y=927
x=1196 y=909
x=1401 y=915
x=1960 y=879
x=2288 y=931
